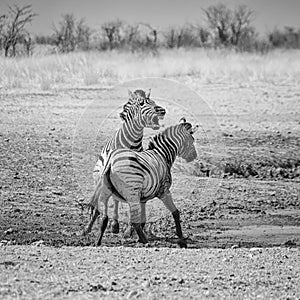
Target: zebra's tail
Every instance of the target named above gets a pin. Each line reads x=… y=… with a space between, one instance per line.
x=92 y=205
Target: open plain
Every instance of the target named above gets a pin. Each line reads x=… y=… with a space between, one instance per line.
x=242 y=222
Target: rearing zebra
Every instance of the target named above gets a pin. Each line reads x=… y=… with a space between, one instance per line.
x=136 y=177
x=139 y=112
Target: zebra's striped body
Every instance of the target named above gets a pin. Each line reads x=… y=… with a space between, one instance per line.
x=136 y=177
x=149 y=170
x=139 y=112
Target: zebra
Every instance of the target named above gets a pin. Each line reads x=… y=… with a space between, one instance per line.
x=136 y=177
x=140 y=111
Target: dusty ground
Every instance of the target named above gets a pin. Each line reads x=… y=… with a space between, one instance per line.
x=250 y=143
x=148 y=273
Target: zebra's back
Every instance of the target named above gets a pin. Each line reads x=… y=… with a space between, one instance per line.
x=142 y=173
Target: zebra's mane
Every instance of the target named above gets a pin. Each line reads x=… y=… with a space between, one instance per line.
x=126 y=109
x=140 y=94
x=154 y=141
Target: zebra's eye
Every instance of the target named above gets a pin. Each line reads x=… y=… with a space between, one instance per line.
x=142 y=102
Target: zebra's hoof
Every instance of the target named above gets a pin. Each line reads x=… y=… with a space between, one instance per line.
x=182 y=243
x=115 y=228
x=143 y=241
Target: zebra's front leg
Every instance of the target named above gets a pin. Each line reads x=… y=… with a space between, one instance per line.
x=115 y=227
x=169 y=204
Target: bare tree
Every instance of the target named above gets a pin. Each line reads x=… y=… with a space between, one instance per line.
x=83 y=35
x=64 y=36
x=241 y=23
x=232 y=26
x=28 y=43
x=112 y=32
x=14 y=25
x=2 y=24
x=200 y=35
x=131 y=36
x=72 y=34
x=219 y=19
x=173 y=37
x=151 y=35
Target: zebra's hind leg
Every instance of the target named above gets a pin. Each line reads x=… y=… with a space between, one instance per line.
x=100 y=196
x=135 y=220
x=104 y=220
x=115 y=227
x=130 y=230
x=94 y=215
x=143 y=215
x=103 y=226
x=140 y=232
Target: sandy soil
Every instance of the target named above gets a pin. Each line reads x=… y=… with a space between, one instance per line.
x=250 y=143
x=37 y=272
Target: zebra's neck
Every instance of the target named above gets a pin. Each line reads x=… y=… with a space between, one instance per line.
x=130 y=136
x=168 y=149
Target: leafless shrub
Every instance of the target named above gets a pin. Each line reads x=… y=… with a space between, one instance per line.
x=289 y=37
x=12 y=27
x=71 y=34
x=231 y=27
x=111 y=31
x=188 y=35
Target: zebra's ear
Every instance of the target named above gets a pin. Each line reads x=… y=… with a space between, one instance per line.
x=194 y=129
x=131 y=95
x=148 y=94
x=182 y=120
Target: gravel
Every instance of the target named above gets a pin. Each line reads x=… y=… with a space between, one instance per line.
x=35 y=272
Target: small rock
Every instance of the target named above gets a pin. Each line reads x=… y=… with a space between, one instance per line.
x=58 y=193
x=4 y=242
x=255 y=249
x=9 y=231
x=38 y=243
x=146 y=284
x=132 y=294
x=234 y=246
x=97 y=287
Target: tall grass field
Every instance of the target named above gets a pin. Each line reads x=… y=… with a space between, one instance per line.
x=106 y=68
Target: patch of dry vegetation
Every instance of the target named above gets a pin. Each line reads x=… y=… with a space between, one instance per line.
x=107 y=68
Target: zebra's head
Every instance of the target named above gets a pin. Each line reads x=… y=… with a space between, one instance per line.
x=143 y=109
x=187 y=148
x=175 y=141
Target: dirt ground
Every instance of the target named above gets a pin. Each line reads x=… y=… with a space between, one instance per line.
x=249 y=142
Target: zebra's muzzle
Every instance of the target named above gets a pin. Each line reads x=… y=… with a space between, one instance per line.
x=155 y=123
x=159 y=115
x=160 y=111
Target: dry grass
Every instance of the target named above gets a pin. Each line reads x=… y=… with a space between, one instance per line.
x=94 y=68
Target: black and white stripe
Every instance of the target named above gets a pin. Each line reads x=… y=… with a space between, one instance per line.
x=136 y=177
x=138 y=113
